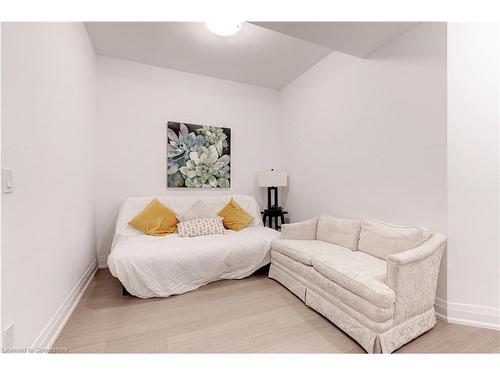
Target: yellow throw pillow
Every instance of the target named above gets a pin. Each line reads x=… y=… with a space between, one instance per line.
x=155 y=219
x=235 y=217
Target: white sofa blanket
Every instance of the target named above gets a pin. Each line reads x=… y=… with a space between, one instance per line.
x=149 y=266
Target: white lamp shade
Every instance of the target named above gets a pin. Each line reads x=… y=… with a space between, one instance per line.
x=272 y=178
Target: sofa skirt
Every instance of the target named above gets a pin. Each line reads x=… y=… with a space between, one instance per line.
x=386 y=341
x=291 y=283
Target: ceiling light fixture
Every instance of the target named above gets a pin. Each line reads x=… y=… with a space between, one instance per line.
x=224 y=28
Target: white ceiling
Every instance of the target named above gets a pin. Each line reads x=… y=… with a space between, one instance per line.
x=255 y=55
x=269 y=54
x=354 y=38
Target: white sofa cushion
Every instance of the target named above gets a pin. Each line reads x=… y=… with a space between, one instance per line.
x=332 y=291
x=356 y=271
x=304 y=230
x=382 y=239
x=303 y=250
x=339 y=231
x=363 y=275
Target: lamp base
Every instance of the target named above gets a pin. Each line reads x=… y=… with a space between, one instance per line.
x=269 y=190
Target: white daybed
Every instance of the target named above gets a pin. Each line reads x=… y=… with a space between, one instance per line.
x=150 y=266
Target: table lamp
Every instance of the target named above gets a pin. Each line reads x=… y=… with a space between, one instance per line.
x=272 y=180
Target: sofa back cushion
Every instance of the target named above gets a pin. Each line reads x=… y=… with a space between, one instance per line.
x=339 y=231
x=383 y=239
x=303 y=230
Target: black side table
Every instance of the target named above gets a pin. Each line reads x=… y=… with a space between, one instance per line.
x=274 y=214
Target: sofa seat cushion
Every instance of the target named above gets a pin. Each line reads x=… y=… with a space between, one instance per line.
x=360 y=273
x=360 y=308
x=305 y=250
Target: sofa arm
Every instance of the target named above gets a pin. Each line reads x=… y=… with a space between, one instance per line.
x=303 y=230
x=413 y=275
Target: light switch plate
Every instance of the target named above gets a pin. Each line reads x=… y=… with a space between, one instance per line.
x=7 y=181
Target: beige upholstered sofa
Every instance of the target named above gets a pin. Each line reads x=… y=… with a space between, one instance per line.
x=375 y=281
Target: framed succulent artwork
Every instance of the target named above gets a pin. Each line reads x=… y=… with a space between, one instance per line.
x=198 y=156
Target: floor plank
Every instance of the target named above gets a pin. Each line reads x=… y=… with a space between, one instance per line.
x=252 y=315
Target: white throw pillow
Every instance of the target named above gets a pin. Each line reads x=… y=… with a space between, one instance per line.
x=200 y=227
x=339 y=231
x=383 y=239
x=198 y=210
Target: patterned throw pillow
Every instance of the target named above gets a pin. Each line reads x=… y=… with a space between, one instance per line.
x=200 y=227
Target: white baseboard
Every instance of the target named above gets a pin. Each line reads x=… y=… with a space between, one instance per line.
x=54 y=327
x=470 y=315
x=441 y=309
x=103 y=261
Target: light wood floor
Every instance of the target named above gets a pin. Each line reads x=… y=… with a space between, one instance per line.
x=255 y=315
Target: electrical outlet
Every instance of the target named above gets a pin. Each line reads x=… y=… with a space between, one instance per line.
x=8 y=336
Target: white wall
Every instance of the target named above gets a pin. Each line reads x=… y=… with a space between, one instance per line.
x=135 y=101
x=48 y=109
x=367 y=137
x=1 y=320
x=473 y=173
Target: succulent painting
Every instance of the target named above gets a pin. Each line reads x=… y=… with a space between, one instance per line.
x=206 y=169
x=198 y=156
x=214 y=136
x=179 y=146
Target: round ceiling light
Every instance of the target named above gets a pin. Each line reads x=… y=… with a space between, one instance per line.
x=223 y=28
